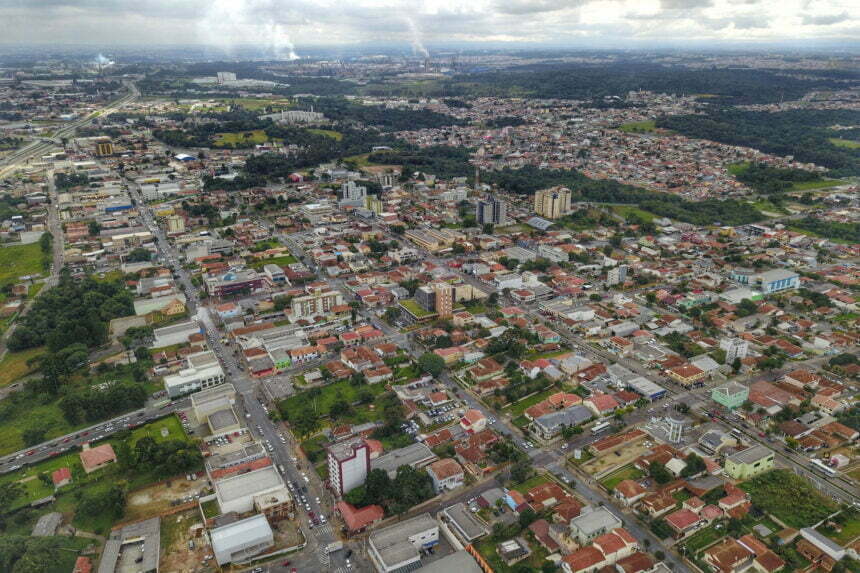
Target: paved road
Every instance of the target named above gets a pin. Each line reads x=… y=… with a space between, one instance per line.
x=256 y=417
x=61 y=444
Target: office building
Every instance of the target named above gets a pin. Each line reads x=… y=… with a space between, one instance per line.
x=552 y=203
x=241 y=539
x=768 y=282
x=491 y=210
x=348 y=465
x=234 y=282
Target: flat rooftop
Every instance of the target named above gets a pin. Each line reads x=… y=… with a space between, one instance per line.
x=248 y=484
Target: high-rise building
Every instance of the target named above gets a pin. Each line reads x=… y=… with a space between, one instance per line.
x=552 y=203
x=175 y=224
x=735 y=348
x=491 y=210
x=353 y=195
x=616 y=275
x=444 y=299
x=225 y=77
x=348 y=465
x=104 y=149
x=315 y=304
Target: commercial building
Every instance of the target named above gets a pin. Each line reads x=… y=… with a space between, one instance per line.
x=730 y=395
x=175 y=333
x=348 y=465
x=138 y=543
x=749 y=462
x=241 y=540
x=233 y=282
x=491 y=210
x=207 y=402
x=398 y=547
x=593 y=522
x=415 y=455
x=768 y=282
x=316 y=212
x=203 y=371
x=552 y=203
x=245 y=492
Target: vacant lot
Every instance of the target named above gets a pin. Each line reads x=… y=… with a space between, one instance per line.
x=789 y=498
x=846 y=143
x=176 y=532
x=241 y=137
x=616 y=477
x=20 y=260
x=151 y=500
x=607 y=463
x=15 y=364
x=639 y=126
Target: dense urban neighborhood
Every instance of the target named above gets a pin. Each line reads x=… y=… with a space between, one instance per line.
x=400 y=313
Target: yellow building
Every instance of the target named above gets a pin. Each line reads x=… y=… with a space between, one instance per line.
x=552 y=203
x=104 y=149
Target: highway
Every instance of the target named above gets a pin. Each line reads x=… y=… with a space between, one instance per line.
x=36 y=148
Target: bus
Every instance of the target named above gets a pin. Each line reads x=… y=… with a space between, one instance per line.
x=824 y=468
x=602 y=426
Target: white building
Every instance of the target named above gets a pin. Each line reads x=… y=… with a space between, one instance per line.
x=175 y=333
x=203 y=371
x=348 y=465
x=399 y=546
x=241 y=492
x=735 y=348
x=616 y=275
x=241 y=540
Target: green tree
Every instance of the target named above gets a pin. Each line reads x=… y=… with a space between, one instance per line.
x=431 y=363
x=659 y=472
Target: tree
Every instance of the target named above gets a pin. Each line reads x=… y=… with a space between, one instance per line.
x=487 y=229
x=695 y=465
x=33 y=435
x=304 y=422
x=431 y=363
x=659 y=472
x=9 y=492
x=139 y=255
x=527 y=517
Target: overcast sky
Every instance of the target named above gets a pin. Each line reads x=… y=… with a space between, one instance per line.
x=280 y=23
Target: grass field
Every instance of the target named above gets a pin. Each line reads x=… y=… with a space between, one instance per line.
x=257 y=104
x=530 y=483
x=737 y=168
x=20 y=260
x=626 y=210
x=615 y=478
x=416 y=309
x=639 y=126
x=521 y=406
x=241 y=137
x=819 y=184
x=847 y=143
x=703 y=538
x=788 y=497
x=14 y=364
x=280 y=261
x=327 y=132
x=359 y=160
x=328 y=395
x=764 y=205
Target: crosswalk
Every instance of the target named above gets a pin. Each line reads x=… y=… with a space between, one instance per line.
x=323 y=531
x=322 y=556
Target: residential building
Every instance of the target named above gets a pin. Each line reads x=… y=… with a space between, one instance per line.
x=93 y=459
x=593 y=522
x=735 y=348
x=348 y=465
x=444 y=299
x=616 y=275
x=749 y=462
x=315 y=304
x=399 y=547
x=491 y=210
x=415 y=455
x=446 y=474
x=240 y=540
x=552 y=203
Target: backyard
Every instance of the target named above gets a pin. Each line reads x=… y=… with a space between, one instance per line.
x=20 y=260
x=626 y=472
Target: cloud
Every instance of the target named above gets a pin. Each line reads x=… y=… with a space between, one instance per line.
x=278 y=24
x=685 y=4
x=824 y=19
